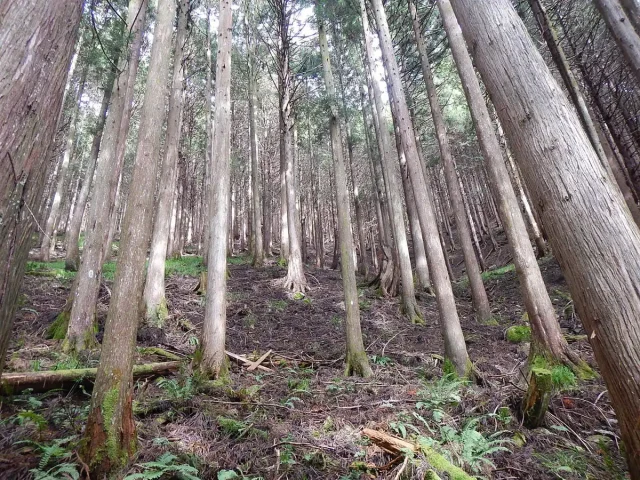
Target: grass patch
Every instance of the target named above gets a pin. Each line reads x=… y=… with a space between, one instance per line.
x=239 y=260
x=190 y=266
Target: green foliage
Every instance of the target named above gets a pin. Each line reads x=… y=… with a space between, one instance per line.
x=166 y=466
x=565 y=463
x=381 y=360
x=109 y=271
x=443 y=392
x=299 y=385
x=49 y=269
x=562 y=376
x=29 y=416
x=188 y=266
x=364 y=304
x=176 y=390
x=237 y=428
x=469 y=447
x=278 y=305
x=336 y=320
x=518 y=334
x=240 y=260
x=55 y=460
x=282 y=262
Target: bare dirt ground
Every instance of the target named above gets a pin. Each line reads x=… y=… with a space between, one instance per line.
x=302 y=419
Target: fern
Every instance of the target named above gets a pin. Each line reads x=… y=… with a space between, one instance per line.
x=164 y=465
x=64 y=471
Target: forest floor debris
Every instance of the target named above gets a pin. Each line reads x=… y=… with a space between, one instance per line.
x=301 y=418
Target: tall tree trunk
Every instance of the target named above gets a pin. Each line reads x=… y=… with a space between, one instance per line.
x=110 y=436
x=72 y=258
x=356 y=358
x=49 y=237
x=583 y=212
x=571 y=84
x=622 y=31
x=478 y=293
x=410 y=307
x=547 y=337
x=82 y=300
x=154 y=292
x=213 y=360
x=455 y=347
x=206 y=207
x=284 y=230
x=37 y=45
x=257 y=236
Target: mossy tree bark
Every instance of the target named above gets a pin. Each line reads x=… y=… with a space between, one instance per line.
x=478 y=293
x=212 y=359
x=110 y=436
x=38 y=41
x=356 y=358
x=154 y=291
x=410 y=306
x=80 y=334
x=584 y=214
x=455 y=347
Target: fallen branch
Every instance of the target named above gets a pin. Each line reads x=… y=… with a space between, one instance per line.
x=257 y=363
x=245 y=361
x=397 y=446
x=14 y=383
x=161 y=352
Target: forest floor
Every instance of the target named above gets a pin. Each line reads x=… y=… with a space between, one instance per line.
x=303 y=418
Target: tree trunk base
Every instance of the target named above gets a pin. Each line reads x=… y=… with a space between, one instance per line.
x=536 y=401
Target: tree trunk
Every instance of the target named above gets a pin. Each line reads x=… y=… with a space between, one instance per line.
x=478 y=293
x=154 y=292
x=80 y=333
x=110 y=436
x=38 y=40
x=410 y=307
x=356 y=358
x=622 y=30
x=213 y=360
x=455 y=347
x=49 y=238
x=206 y=207
x=583 y=212
x=571 y=84
x=72 y=258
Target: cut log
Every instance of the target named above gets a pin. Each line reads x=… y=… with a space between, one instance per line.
x=14 y=383
x=245 y=361
x=398 y=446
x=257 y=363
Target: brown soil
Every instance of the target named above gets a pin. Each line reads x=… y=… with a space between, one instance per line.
x=303 y=419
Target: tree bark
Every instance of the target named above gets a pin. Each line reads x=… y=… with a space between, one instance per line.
x=72 y=258
x=410 y=307
x=80 y=333
x=154 y=292
x=583 y=212
x=213 y=361
x=356 y=358
x=455 y=347
x=257 y=235
x=571 y=84
x=622 y=31
x=49 y=238
x=38 y=41
x=110 y=436
x=478 y=293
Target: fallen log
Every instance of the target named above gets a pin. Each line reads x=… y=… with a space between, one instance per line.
x=14 y=383
x=399 y=446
